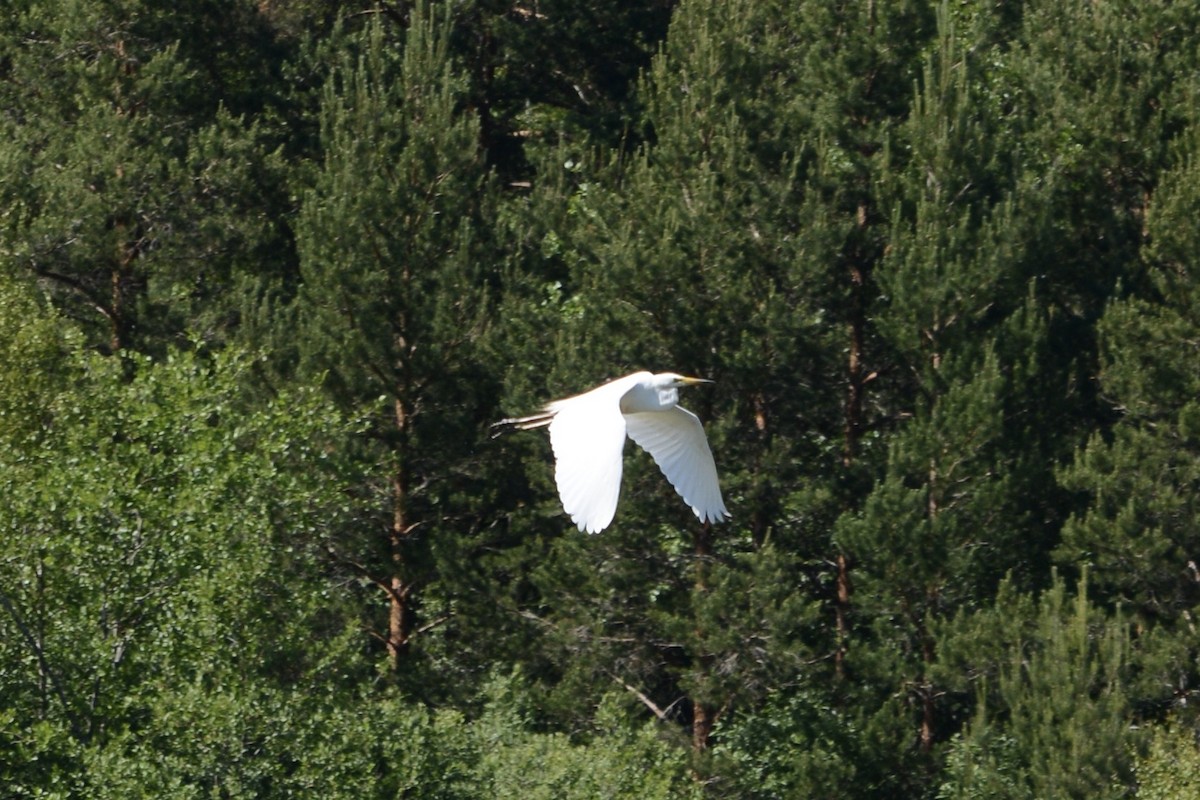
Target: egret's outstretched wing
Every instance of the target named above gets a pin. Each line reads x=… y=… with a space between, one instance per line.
x=675 y=439
x=588 y=436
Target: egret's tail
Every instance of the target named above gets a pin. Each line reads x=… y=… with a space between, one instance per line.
x=538 y=420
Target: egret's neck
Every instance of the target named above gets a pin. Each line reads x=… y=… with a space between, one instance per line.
x=649 y=398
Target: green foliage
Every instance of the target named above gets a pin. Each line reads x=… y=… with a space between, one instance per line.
x=35 y=359
x=159 y=534
x=1138 y=532
x=1053 y=681
x=268 y=744
x=386 y=236
x=615 y=758
x=132 y=187
x=207 y=742
x=1170 y=769
x=791 y=746
x=396 y=300
x=940 y=259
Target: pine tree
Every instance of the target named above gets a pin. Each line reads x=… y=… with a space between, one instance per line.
x=555 y=71
x=719 y=249
x=1053 y=679
x=395 y=289
x=938 y=528
x=1137 y=535
x=990 y=318
x=134 y=189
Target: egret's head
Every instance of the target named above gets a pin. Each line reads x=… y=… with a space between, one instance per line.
x=666 y=386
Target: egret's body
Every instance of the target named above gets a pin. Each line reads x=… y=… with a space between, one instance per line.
x=587 y=434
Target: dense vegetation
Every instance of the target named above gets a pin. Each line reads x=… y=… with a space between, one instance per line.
x=269 y=269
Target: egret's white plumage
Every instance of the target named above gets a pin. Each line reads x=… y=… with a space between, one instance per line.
x=587 y=434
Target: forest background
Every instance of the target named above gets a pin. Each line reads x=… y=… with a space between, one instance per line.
x=269 y=269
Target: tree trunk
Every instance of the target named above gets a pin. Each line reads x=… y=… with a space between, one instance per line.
x=852 y=423
x=119 y=323
x=116 y=326
x=399 y=613
x=842 y=612
x=702 y=725
x=851 y=430
x=927 y=709
x=702 y=714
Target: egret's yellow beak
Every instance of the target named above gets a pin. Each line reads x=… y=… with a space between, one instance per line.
x=686 y=381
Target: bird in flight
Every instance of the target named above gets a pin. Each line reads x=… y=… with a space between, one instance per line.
x=587 y=434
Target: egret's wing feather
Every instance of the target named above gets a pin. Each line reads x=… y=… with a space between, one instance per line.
x=588 y=437
x=675 y=439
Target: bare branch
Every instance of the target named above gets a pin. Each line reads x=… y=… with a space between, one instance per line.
x=43 y=665
x=433 y=623
x=662 y=714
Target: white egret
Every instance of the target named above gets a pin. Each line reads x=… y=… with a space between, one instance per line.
x=587 y=434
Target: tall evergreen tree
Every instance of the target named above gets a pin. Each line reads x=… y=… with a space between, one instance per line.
x=1053 y=677
x=134 y=189
x=557 y=70
x=936 y=529
x=991 y=321
x=1137 y=535
x=721 y=249
x=395 y=290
